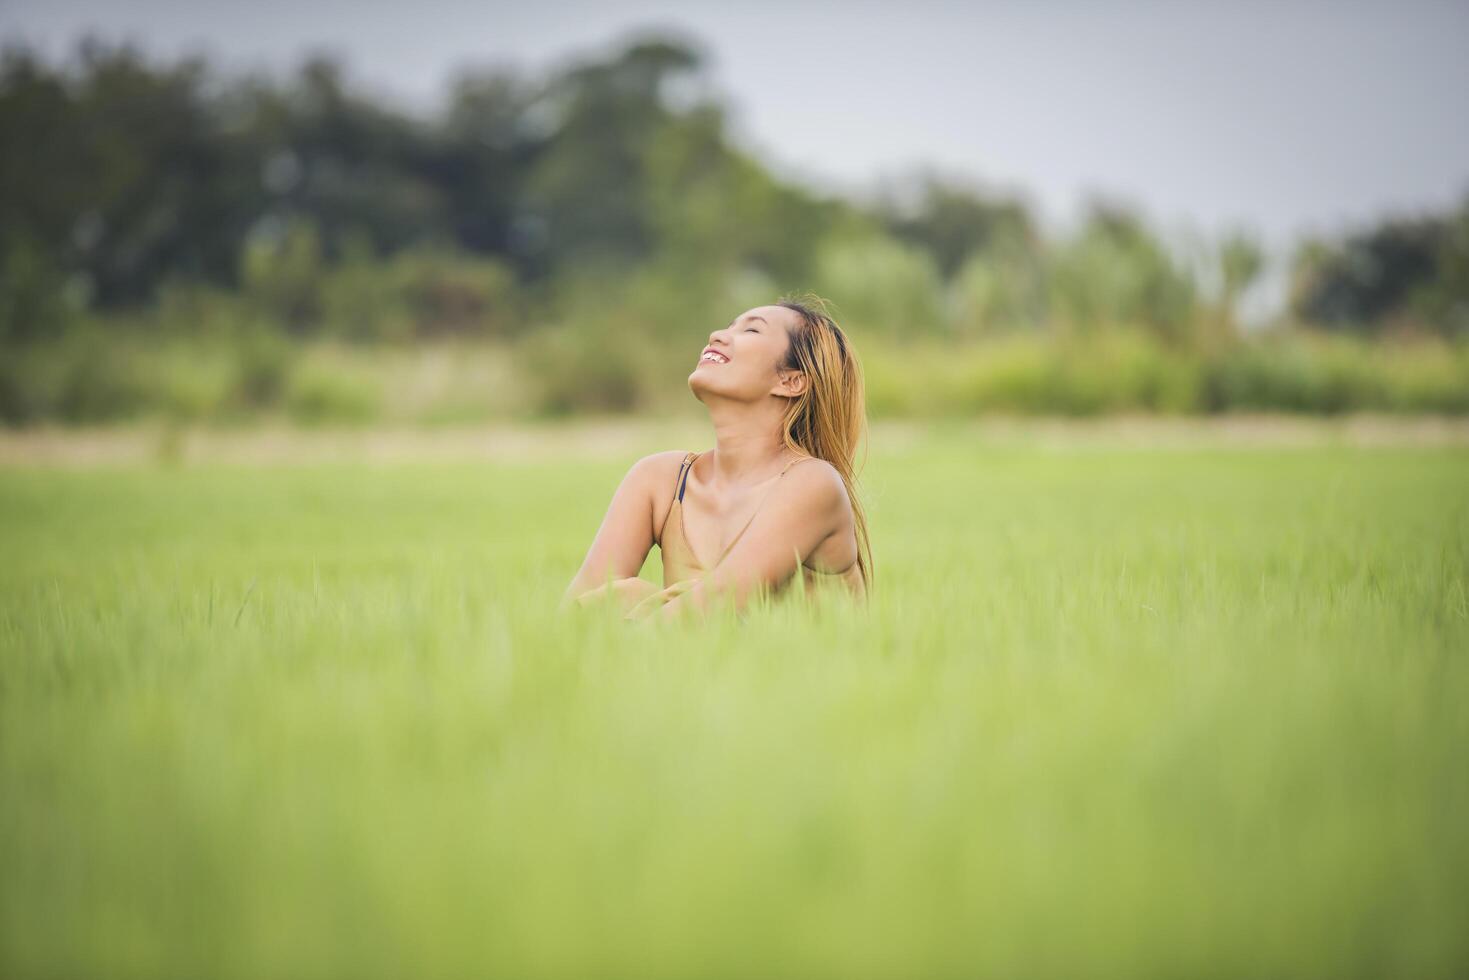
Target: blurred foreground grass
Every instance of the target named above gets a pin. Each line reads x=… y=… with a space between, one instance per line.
x=1114 y=712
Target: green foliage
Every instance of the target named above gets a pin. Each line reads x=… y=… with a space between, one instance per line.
x=130 y=174
x=323 y=391
x=997 y=291
x=1240 y=263
x=585 y=371
x=84 y=376
x=281 y=274
x=1121 y=372
x=715 y=209
x=610 y=362
x=1115 y=273
x=262 y=368
x=33 y=294
x=1113 y=713
x=420 y=293
x=1410 y=273
x=173 y=238
x=890 y=288
x=954 y=222
x=1443 y=300
x=1321 y=374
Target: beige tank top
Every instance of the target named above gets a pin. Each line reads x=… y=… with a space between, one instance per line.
x=680 y=564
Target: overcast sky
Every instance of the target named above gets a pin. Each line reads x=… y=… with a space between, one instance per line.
x=1279 y=117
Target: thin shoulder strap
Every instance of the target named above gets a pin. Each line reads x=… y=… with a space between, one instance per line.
x=683 y=473
x=678 y=484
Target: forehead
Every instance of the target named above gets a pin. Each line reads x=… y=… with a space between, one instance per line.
x=774 y=315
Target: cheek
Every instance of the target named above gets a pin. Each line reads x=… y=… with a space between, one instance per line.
x=758 y=365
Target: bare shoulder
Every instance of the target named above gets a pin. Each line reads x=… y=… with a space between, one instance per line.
x=820 y=482
x=656 y=473
x=655 y=467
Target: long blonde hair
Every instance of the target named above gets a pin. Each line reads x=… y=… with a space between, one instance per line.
x=829 y=418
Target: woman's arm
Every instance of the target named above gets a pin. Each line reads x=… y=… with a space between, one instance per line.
x=623 y=541
x=625 y=593
x=810 y=504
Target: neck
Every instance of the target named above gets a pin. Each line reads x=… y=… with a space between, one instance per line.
x=747 y=440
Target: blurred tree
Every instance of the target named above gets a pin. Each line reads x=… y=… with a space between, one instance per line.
x=1373 y=278
x=1444 y=300
x=588 y=190
x=1114 y=272
x=884 y=285
x=717 y=208
x=32 y=291
x=122 y=179
x=282 y=273
x=610 y=182
x=954 y=222
x=1240 y=262
x=344 y=163
x=998 y=289
x=480 y=160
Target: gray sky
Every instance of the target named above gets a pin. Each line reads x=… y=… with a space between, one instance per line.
x=1282 y=118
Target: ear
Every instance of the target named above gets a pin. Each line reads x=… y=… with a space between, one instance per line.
x=791 y=384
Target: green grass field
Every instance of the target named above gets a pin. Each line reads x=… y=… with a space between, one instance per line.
x=1114 y=712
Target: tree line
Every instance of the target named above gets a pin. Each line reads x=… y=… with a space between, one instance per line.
x=153 y=198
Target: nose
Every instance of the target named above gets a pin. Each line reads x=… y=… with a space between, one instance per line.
x=722 y=333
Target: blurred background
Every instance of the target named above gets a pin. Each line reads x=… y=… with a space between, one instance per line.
x=1164 y=670
x=450 y=213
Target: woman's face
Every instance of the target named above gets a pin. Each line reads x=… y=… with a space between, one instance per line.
x=745 y=356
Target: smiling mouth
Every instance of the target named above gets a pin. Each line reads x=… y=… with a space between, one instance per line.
x=713 y=357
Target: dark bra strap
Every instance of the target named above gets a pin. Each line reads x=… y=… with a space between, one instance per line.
x=683 y=469
x=683 y=473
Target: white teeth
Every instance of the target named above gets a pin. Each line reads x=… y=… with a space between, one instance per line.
x=712 y=356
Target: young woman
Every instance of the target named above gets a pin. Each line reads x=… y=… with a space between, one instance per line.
x=775 y=496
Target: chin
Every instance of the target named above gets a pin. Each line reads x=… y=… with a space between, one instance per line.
x=700 y=387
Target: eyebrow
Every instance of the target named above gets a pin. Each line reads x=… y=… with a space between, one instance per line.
x=753 y=316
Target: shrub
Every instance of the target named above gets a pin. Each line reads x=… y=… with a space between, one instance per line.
x=89 y=377
x=418 y=294
x=262 y=367
x=191 y=382
x=584 y=369
x=326 y=390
